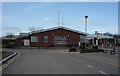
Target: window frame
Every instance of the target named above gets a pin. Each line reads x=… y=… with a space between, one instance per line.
x=60 y=40
x=33 y=39
x=45 y=38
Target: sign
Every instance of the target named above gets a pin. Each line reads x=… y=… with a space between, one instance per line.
x=78 y=43
x=118 y=41
x=83 y=38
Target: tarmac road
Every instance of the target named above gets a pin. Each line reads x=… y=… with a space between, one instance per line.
x=59 y=61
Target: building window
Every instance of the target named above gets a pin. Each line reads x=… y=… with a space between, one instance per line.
x=60 y=40
x=45 y=39
x=34 y=38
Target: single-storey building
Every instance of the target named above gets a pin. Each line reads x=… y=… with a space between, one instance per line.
x=99 y=39
x=56 y=36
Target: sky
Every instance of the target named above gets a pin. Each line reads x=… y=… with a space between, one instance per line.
x=17 y=17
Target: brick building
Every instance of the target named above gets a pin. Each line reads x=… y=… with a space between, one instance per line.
x=57 y=37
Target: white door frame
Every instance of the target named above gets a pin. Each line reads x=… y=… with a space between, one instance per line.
x=26 y=42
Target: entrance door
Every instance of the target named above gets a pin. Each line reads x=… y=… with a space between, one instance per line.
x=26 y=42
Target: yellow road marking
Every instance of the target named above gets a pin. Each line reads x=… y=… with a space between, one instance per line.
x=11 y=60
x=117 y=65
x=5 y=63
x=2 y=65
x=100 y=60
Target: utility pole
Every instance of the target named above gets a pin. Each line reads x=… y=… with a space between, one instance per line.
x=62 y=21
x=86 y=24
x=58 y=17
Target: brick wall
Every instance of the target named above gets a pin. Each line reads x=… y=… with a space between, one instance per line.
x=73 y=37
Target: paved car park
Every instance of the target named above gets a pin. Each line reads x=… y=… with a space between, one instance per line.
x=60 y=61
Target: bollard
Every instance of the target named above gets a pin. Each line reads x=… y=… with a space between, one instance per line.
x=112 y=52
x=102 y=45
x=105 y=51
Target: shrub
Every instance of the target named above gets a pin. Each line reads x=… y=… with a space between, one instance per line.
x=8 y=43
x=9 y=46
x=76 y=45
x=91 y=50
x=51 y=45
x=78 y=50
x=69 y=45
x=95 y=47
x=82 y=47
x=72 y=49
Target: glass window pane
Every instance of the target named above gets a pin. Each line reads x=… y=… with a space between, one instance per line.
x=34 y=38
x=45 y=39
x=60 y=39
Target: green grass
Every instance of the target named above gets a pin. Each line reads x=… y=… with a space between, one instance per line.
x=2 y=52
x=2 y=47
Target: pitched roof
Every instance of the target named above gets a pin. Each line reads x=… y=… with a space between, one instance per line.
x=54 y=28
x=99 y=36
x=22 y=35
x=43 y=30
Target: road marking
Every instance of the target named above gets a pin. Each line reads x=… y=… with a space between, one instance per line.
x=2 y=65
x=68 y=56
x=99 y=60
x=10 y=61
x=80 y=62
x=6 y=63
x=51 y=51
x=89 y=66
x=102 y=72
x=66 y=52
x=73 y=58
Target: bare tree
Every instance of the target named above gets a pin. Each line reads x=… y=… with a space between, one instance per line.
x=10 y=35
x=33 y=28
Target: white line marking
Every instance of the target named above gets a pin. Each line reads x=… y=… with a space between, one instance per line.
x=68 y=56
x=102 y=72
x=80 y=62
x=89 y=66
x=66 y=52
x=51 y=51
x=73 y=58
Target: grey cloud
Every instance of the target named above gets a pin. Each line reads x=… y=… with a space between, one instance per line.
x=47 y=20
x=13 y=29
x=91 y=22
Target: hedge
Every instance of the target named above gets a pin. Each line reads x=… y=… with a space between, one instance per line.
x=90 y=50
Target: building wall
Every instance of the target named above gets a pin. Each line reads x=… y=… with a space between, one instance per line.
x=73 y=37
x=20 y=41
